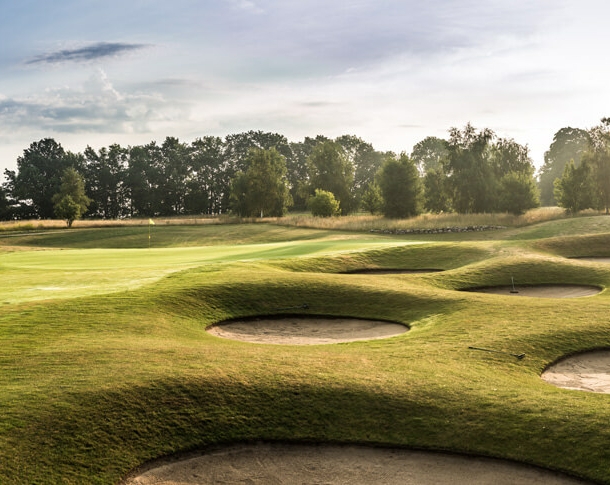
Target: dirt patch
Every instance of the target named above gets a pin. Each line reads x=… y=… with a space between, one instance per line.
x=306 y=330
x=542 y=291
x=589 y=371
x=277 y=464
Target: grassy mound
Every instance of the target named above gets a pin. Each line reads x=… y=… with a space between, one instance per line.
x=106 y=362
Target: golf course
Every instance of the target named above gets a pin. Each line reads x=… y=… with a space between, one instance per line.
x=116 y=347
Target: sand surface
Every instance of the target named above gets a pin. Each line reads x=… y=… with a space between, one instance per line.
x=306 y=330
x=542 y=291
x=270 y=464
x=589 y=371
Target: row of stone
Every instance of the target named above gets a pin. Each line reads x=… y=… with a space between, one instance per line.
x=438 y=230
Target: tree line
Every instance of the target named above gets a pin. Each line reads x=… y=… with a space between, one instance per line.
x=258 y=174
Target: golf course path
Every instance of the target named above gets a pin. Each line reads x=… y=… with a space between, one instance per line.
x=295 y=464
x=589 y=371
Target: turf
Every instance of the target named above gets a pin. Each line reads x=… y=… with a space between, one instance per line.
x=105 y=362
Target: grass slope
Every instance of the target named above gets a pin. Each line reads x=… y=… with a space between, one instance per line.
x=96 y=381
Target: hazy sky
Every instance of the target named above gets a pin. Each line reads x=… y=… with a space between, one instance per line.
x=93 y=72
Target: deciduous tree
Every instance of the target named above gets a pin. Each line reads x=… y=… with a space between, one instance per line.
x=70 y=203
x=597 y=156
x=430 y=153
x=568 y=144
x=262 y=189
x=471 y=176
x=574 y=190
x=401 y=188
x=38 y=176
x=330 y=170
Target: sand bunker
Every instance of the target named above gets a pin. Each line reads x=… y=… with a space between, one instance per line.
x=589 y=371
x=306 y=330
x=542 y=291
x=381 y=271
x=276 y=464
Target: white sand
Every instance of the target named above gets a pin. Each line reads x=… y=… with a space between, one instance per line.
x=346 y=465
x=306 y=330
x=589 y=371
x=542 y=291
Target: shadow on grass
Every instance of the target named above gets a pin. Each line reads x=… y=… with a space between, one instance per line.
x=98 y=437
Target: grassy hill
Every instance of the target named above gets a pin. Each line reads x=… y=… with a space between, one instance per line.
x=105 y=362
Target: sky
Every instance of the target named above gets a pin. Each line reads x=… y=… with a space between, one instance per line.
x=392 y=72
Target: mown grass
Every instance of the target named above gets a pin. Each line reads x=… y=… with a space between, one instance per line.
x=94 y=383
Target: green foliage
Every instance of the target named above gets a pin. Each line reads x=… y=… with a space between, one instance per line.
x=429 y=154
x=487 y=174
x=568 y=144
x=574 y=190
x=67 y=209
x=262 y=189
x=400 y=188
x=517 y=193
x=6 y=211
x=597 y=157
x=330 y=170
x=38 y=176
x=365 y=160
x=324 y=204
x=436 y=191
x=70 y=203
x=471 y=176
x=372 y=200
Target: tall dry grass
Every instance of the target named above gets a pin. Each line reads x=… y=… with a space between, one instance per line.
x=360 y=222
x=424 y=221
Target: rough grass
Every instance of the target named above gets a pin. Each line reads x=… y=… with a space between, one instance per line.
x=93 y=385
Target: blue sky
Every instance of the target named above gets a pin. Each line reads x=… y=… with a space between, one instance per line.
x=392 y=72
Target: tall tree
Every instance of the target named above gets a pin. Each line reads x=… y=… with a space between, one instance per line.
x=330 y=170
x=105 y=178
x=470 y=172
x=6 y=212
x=430 y=153
x=568 y=144
x=597 y=156
x=365 y=160
x=437 y=196
x=514 y=170
x=371 y=200
x=208 y=185
x=262 y=189
x=517 y=193
x=70 y=203
x=143 y=176
x=298 y=169
x=38 y=176
x=400 y=187
x=574 y=190
x=174 y=167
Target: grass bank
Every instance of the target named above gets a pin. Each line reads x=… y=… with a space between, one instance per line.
x=94 y=383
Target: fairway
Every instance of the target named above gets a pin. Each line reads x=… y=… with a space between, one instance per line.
x=107 y=362
x=70 y=273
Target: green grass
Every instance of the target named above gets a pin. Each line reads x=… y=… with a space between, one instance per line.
x=105 y=362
